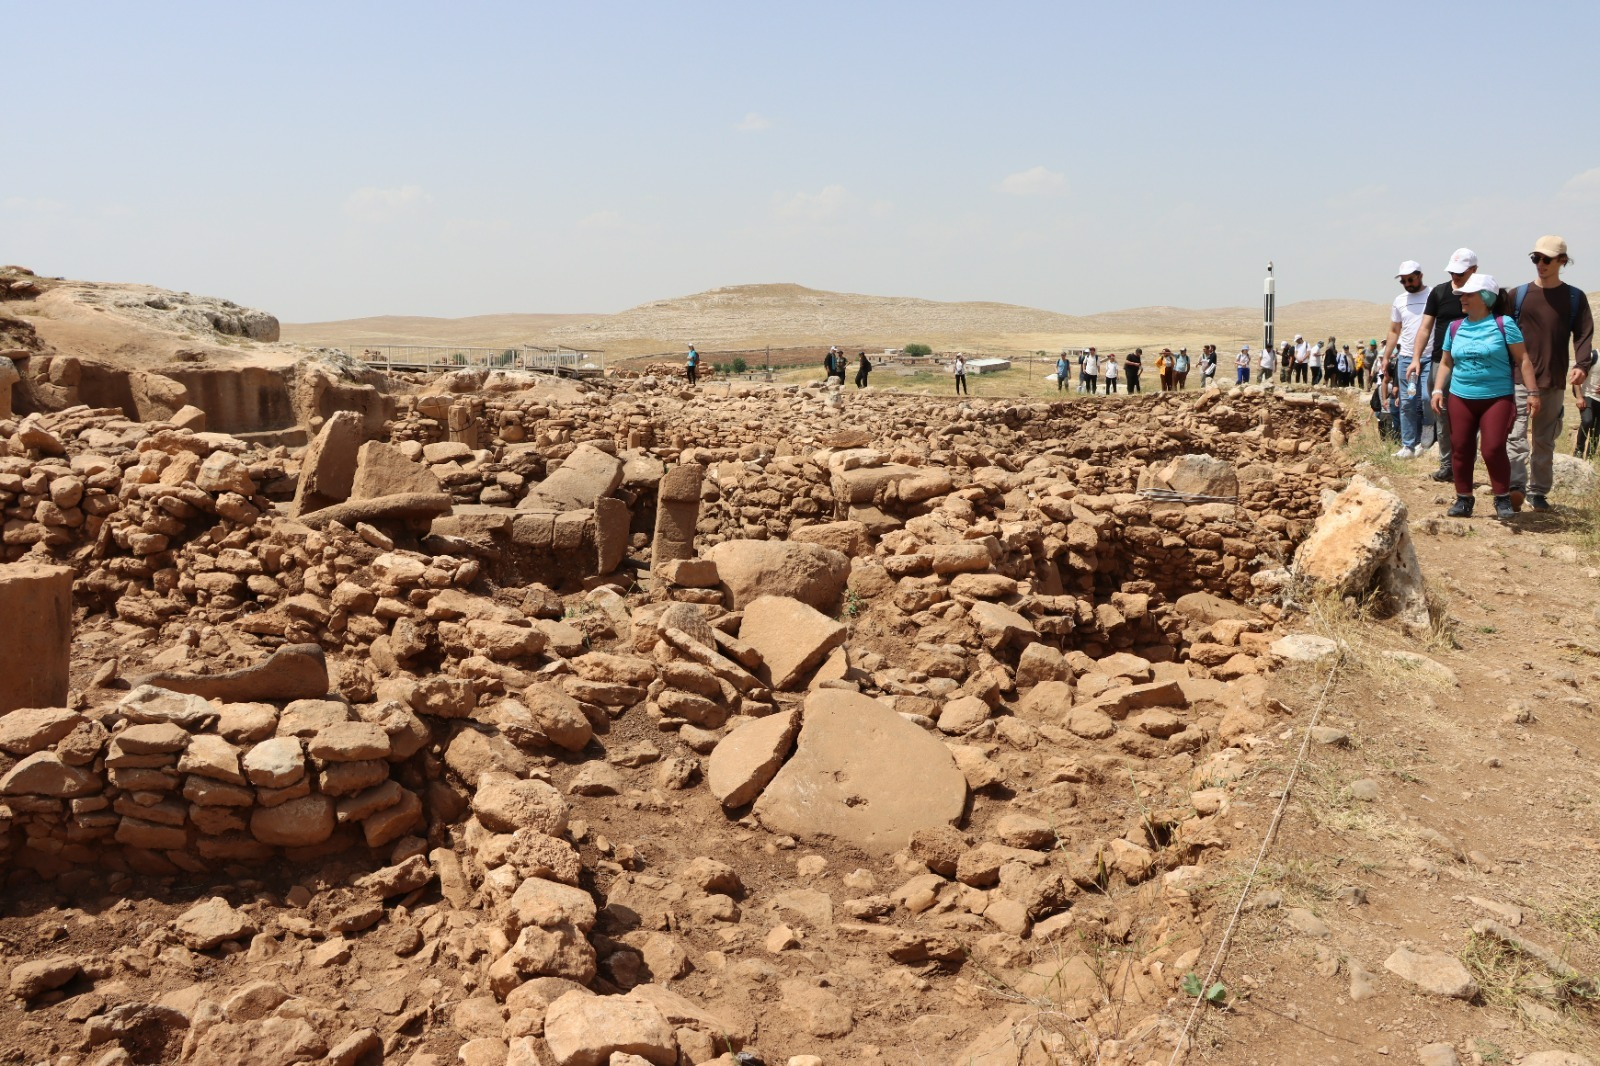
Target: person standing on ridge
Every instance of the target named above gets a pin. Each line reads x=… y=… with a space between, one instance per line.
x=1180 y=369
x=1063 y=371
x=1132 y=364
x=1241 y=366
x=863 y=368
x=1108 y=372
x=1557 y=323
x=691 y=365
x=1266 y=359
x=960 y=368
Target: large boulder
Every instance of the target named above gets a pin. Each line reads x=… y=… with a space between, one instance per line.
x=584 y=477
x=383 y=470
x=1196 y=475
x=1573 y=476
x=812 y=574
x=328 y=468
x=1362 y=543
x=582 y=1029
x=791 y=637
x=862 y=775
x=745 y=761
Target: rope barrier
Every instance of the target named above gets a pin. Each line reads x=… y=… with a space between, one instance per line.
x=1181 y=1048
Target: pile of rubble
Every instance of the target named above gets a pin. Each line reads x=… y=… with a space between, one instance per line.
x=510 y=715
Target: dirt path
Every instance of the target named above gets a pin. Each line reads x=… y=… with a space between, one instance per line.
x=1482 y=807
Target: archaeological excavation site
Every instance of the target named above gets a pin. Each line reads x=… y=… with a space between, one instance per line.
x=504 y=719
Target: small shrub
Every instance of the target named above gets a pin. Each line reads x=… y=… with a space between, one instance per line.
x=739 y=365
x=917 y=349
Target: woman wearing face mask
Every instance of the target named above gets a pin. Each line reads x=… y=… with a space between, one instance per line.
x=1476 y=382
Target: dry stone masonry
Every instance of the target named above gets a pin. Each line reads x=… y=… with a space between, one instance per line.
x=470 y=720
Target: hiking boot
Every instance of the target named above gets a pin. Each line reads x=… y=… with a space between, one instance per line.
x=1517 y=496
x=1442 y=474
x=1462 y=508
x=1537 y=501
x=1503 y=507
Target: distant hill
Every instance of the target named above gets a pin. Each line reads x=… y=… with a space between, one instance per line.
x=782 y=315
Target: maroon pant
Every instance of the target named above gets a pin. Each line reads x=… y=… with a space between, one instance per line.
x=1491 y=421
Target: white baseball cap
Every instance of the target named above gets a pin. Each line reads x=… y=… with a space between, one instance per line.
x=1410 y=266
x=1461 y=261
x=1477 y=283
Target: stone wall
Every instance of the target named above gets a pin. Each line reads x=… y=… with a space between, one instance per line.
x=164 y=780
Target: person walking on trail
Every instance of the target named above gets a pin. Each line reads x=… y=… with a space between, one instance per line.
x=691 y=365
x=1180 y=369
x=1400 y=350
x=1559 y=326
x=1063 y=371
x=1084 y=374
x=1241 y=366
x=960 y=368
x=863 y=368
x=1477 y=381
x=1266 y=360
x=1443 y=308
x=1208 y=365
x=1132 y=364
x=1091 y=372
x=1588 y=399
x=1108 y=372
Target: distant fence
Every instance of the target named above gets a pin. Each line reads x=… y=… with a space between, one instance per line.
x=418 y=357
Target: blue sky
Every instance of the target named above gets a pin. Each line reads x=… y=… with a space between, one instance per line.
x=345 y=159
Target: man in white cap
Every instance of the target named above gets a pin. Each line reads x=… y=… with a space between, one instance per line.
x=1443 y=307
x=1404 y=318
x=1302 y=359
x=1556 y=322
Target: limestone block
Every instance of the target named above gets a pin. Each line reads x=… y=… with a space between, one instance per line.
x=34 y=657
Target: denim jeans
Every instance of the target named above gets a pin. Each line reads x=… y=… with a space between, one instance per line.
x=1411 y=400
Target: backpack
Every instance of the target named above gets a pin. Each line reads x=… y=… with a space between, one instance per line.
x=1522 y=294
x=1499 y=320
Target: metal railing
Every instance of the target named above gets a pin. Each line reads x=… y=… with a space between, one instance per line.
x=418 y=357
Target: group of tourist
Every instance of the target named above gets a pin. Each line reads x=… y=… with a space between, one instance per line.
x=1299 y=361
x=1173 y=369
x=1496 y=364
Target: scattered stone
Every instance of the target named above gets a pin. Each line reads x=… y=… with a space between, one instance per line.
x=207 y=924
x=1440 y=975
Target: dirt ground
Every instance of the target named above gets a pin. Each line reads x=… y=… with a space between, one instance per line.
x=1484 y=808
x=1434 y=799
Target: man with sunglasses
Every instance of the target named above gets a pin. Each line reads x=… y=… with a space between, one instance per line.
x=1404 y=318
x=1554 y=317
x=1443 y=307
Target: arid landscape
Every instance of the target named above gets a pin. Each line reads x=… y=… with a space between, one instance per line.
x=752 y=316
x=499 y=718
